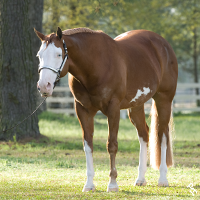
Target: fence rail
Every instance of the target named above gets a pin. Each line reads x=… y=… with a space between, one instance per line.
x=184 y=100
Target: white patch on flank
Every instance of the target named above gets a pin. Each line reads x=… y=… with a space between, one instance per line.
x=140 y=93
x=142 y=163
x=121 y=35
x=163 y=165
x=90 y=169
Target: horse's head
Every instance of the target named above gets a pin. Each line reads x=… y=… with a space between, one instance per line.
x=51 y=55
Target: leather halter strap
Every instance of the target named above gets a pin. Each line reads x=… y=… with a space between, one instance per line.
x=57 y=71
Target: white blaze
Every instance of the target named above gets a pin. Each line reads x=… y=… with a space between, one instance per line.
x=140 y=93
x=49 y=56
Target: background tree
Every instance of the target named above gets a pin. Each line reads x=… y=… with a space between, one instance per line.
x=18 y=66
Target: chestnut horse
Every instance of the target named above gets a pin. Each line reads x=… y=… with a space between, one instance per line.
x=109 y=75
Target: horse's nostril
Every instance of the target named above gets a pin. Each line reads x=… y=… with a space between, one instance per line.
x=48 y=86
x=38 y=89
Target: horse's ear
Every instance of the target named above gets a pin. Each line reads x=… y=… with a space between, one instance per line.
x=40 y=35
x=59 y=33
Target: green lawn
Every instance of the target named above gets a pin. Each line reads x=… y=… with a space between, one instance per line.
x=54 y=166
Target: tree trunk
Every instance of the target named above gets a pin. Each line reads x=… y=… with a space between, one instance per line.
x=18 y=66
x=35 y=16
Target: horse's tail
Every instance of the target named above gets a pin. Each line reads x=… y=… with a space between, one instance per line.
x=154 y=141
x=169 y=158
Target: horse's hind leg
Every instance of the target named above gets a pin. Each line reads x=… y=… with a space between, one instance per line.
x=137 y=117
x=164 y=151
x=86 y=119
x=113 y=114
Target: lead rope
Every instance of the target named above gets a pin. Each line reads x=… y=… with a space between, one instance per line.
x=32 y=112
x=26 y=117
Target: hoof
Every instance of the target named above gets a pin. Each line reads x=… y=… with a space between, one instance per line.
x=87 y=189
x=163 y=183
x=140 y=182
x=113 y=189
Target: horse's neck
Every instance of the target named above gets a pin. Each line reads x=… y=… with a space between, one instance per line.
x=84 y=58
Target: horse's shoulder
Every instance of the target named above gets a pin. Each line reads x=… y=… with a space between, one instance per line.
x=79 y=92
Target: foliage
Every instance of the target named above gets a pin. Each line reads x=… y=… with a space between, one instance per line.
x=53 y=167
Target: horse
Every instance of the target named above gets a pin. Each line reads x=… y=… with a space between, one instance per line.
x=109 y=75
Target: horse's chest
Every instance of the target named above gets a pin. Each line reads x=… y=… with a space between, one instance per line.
x=99 y=100
x=97 y=97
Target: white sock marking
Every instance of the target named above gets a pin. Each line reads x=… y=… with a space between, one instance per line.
x=89 y=165
x=140 y=93
x=163 y=164
x=143 y=159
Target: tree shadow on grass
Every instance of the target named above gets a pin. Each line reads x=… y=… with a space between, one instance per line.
x=45 y=150
x=171 y=193
x=154 y=194
x=99 y=122
x=71 y=143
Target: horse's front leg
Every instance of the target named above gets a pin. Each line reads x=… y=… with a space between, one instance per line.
x=86 y=120
x=113 y=115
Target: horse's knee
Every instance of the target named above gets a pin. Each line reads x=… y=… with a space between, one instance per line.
x=112 y=146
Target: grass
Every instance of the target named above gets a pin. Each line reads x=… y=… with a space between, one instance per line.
x=53 y=167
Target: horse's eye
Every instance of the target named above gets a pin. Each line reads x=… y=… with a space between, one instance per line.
x=59 y=55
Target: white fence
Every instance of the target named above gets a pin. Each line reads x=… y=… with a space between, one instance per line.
x=63 y=103
x=184 y=100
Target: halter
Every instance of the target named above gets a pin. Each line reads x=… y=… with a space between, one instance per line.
x=57 y=71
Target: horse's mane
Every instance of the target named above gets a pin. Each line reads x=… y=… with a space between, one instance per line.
x=79 y=30
x=48 y=38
